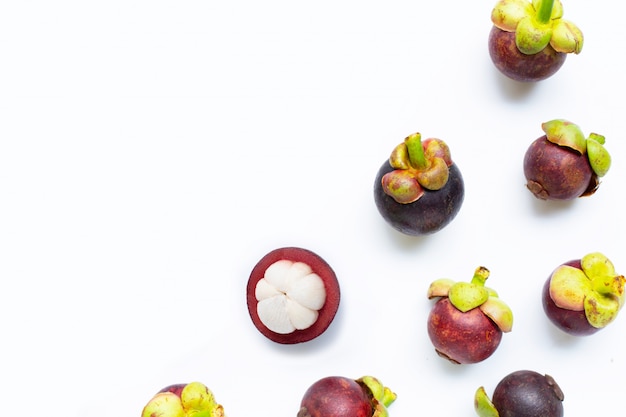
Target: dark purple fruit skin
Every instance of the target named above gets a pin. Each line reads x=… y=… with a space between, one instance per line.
x=462 y=338
x=571 y=322
x=431 y=213
x=518 y=66
x=556 y=172
x=528 y=394
x=336 y=396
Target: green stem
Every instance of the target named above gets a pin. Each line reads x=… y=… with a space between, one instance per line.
x=480 y=276
x=416 y=151
x=545 y=11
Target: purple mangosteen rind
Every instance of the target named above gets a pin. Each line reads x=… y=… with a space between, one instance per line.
x=521 y=393
x=564 y=133
x=466 y=323
x=432 y=212
x=462 y=338
x=564 y=164
x=537 y=25
x=529 y=40
x=183 y=400
x=586 y=288
x=418 y=190
x=346 y=397
x=520 y=67
x=466 y=296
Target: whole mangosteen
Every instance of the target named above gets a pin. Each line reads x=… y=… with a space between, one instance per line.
x=466 y=324
x=521 y=394
x=530 y=40
x=563 y=164
x=419 y=190
x=337 y=396
x=583 y=296
x=183 y=400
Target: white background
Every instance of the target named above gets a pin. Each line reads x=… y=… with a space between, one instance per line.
x=152 y=152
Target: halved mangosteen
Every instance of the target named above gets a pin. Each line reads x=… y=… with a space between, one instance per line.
x=292 y=295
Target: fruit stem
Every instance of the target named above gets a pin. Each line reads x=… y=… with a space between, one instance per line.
x=544 y=13
x=415 y=149
x=480 y=276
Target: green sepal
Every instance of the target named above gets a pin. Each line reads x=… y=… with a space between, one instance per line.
x=565 y=133
x=601 y=310
x=599 y=157
x=483 y=405
x=531 y=36
x=439 y=288
x=569 y=287
x=566 y=37
x=507 y=13
x=383 y=396
x=466 y=296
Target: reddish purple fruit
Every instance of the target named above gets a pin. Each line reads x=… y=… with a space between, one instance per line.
x=419 y=190
x=521 y=394
x=292 y=295
x=583 y=296
x=529 y=41
x=337 y=396
x=510 y=61
x=466 y=324
x=563 y=164
x=183 y=400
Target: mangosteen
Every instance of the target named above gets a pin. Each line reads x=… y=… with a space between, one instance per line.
x=292 y=295
x=529 y=40
x=466 y=324
x=337 y=396
x=563 y=164
x=183 y=400
x=583 y=296
x=521 y=394
x=419 y=190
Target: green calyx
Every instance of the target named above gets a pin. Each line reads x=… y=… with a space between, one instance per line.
x=382 y=396
x=466 y=296
x=418 y=166
x=595 y=288
x=564 y=133
x=196 y=400
x=537 y=24
x=483 y=405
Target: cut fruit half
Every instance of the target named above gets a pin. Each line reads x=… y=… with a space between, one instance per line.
x=292 y=295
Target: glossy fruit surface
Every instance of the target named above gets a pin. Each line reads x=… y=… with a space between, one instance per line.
x=563 y=164
x=462 y=338
x=514 y=64
x=466 y=323
x=528 y=394
x=521 y=394
x=431 y=213
x=337 y=396
x=555 y=172
x=530 y=40
x=292 y=295
x=419 y=189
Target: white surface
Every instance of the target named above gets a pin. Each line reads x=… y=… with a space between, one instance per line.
x=152 y=152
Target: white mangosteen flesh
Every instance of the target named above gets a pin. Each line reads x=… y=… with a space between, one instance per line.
x=289 y=297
